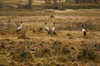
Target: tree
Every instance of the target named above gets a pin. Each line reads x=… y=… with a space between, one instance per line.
x=55 y=4
x=1 y=4
x=77 y=1
x=59 y=1
x=47 y=1
x=19 y=5
x=30 y=3
x=62 y=1
x=96 y=1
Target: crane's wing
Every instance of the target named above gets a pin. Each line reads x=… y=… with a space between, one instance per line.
x=18 y=28
x=46 y=28
x=52 y=29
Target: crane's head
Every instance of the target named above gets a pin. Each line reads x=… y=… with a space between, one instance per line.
x=54 y=23
x=82 y=26
x=21 y=22
x=45 y=23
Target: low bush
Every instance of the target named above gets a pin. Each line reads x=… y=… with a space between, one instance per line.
x=62 y=59
x=40 y=29
x=45 y=52
x=88 y=52
x=21 y=54
x=22 y=36
x=1 y=4
x=52 y=16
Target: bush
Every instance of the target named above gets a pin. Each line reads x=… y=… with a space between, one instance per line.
x=88 y=52
x=21 y=55
x=40 y=29
x=57 y=46
x=34 y=30
x=22 y=36
x=52 y=16
x=62 y=59
x=2 y=46
x=19 y=5
x=88 y=25
x=73 y=6
x=29 y=4
x=65 y=50
x=2 y=26
x=45 y=52
x=1 y=4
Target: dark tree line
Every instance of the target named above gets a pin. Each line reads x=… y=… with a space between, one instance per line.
x=87 y=1
x=55 y=2
x=77 y=1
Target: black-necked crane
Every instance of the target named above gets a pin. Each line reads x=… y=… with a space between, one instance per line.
x=52 y=29
x=46 y=28
x=20 y=27
x=83 y=30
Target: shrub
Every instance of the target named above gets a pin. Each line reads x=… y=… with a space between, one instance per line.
x=21 y=54
x=17 y=24
x=57 y=46
x=52 y=16
x=2 y=46
x=10 y=26
x=1 y=4
x=62 y=59
x=34 y=30
x=22 y=36
x=45 y=52
x=29 y=4
x=60 y=49
x=65 y=50
x=19 y=5
x=40 y=29
x=88 y=52
x=2 y=26
x=22 y=57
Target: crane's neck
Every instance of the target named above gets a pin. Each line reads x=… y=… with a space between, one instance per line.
x=21 y=25
x=54 y=25
x=45 y=25
x=82 y=28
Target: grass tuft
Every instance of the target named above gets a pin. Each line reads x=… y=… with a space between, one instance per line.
x=52 y=16
x=21 y=54
x=88 y=52
x=45 y=52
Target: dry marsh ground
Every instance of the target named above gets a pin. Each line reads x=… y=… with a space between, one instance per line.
x=32 y=46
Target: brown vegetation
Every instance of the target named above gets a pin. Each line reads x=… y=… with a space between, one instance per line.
x=32 y=46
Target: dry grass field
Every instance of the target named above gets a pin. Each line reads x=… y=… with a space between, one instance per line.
x=32 y=46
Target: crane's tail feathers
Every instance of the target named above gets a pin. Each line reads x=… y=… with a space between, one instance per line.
x=84 y=33
x=17 y=30
x=48 y=32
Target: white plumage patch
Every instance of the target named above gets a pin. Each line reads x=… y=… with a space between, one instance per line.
x=52 y=29
x=46 y=28
x=19 y=28
x=83 y=30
